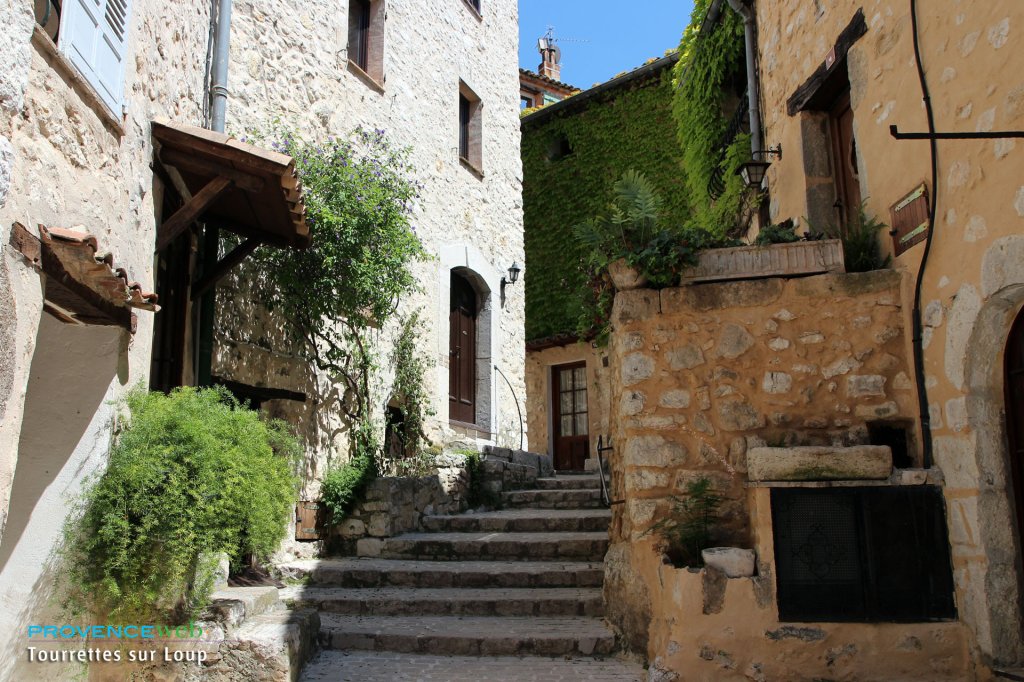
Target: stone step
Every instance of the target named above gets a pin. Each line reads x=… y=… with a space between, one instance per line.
x=498 y=546
x=467 y=636
x=586 y=498
x=523 y=521
x=362 y=572
x=233 y=605
x=275 y=644
x=569 y=482
x=378 y=666
x=408 y=601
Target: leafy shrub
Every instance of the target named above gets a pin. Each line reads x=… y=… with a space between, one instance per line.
x=193 y=473
x=862 y=250
x=688 y=530
x=344 y=484
x=409 y=388
x=784 y=233
x=478 y=494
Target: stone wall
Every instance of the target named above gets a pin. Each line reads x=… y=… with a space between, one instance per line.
x=702 y=373
x=66 y=161
x=974 y=281
x=289 y=61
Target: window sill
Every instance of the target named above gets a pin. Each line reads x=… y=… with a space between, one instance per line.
x=367 y=79
x=466 y=426
x=78 y=83
x=471 y=167
x=474 y=10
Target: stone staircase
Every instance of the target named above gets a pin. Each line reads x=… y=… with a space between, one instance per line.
x=513 y=594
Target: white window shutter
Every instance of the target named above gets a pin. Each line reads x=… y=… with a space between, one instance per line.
x=93 y=35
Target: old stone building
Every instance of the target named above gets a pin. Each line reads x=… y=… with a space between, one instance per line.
x=573 y=152
x=725 y=379
x=102 y=142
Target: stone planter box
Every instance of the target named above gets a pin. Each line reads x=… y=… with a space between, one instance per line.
x=775 y=260
x=812 y=463
x=624 y=276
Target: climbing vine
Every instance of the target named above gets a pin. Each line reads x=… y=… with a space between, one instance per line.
x=359 y=194
x=706 y=78
x=569 y=163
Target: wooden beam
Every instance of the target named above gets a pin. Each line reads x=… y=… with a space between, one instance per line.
x=803 y=95
x=27 y=244
x=224 y=266
x=260 y=392
x=188 y=213
x=202 y=166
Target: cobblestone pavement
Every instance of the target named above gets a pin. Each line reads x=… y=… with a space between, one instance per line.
x=374 y=666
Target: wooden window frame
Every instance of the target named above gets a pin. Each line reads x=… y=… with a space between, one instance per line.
x=470 y=138
x=366 y=42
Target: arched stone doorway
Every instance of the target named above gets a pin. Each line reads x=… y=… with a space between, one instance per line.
x=1014 y=391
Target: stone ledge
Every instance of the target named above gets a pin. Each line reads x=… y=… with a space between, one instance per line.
x=813 y=463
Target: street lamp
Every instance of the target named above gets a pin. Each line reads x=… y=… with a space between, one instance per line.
x=753 y=171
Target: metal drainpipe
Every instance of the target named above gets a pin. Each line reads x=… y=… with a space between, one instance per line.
x=211 y=235
x=753 y=96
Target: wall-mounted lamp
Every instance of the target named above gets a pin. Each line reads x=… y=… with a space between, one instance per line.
x=513 y=275
x=753 y=171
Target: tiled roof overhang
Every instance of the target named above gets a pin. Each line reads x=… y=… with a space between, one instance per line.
x=82 y=285
x=240 y=187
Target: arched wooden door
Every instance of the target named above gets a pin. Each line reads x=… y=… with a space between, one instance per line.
x=462 y=351
x=1014 y=384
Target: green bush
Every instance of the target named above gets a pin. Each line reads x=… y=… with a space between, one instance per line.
x=688 y=530
x=193 y=473
x=777 y=234
x=343 y=484
x=862 y=249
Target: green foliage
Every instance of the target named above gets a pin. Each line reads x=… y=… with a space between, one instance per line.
x=862 y=250
x=193 y=473
x=630 y=228
x=343 y=484
x=408 y=387
x=478 y=495
x=777 y=234
x=705 y=75
x=359 y=195
x=688 y=530
x=632 y=128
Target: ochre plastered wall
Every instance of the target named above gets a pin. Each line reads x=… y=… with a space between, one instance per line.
x=538 y=391
x=971 y=289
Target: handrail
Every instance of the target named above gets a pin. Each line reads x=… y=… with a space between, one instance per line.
x=606 y=497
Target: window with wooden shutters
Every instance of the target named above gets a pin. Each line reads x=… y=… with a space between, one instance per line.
x=93 y=36
x=909 y=220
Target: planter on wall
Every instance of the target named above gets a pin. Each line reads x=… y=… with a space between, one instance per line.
x=625 y=276
x=774 y=260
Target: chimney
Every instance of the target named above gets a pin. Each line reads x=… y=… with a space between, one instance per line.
x=550 y=56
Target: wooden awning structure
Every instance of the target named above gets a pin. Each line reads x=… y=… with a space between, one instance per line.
x=82 y=285
x=240 y=187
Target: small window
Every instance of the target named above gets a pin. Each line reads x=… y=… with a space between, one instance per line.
x=871 y=554
x=92 y=35
x=559 y=148
x=525 y=102
x=475 y=4
x=366 y=40
x=470 y=129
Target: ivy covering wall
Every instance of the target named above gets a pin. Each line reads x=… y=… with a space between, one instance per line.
x=628 y=128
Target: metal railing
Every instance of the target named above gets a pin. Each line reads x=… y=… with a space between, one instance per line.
x=606 y=498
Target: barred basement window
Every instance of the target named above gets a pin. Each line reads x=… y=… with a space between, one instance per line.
x=871 y=554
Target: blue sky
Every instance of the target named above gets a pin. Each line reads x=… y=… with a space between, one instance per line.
x=614 y=42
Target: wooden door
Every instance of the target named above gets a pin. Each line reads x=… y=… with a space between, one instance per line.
x=462 y=352
x=570 y=419
x=1014 y=387
x=844 y=154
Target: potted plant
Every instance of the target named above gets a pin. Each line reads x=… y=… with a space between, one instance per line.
x=627 y=242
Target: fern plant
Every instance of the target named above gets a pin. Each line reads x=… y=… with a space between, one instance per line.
x=688 y=530
x=862 y=249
